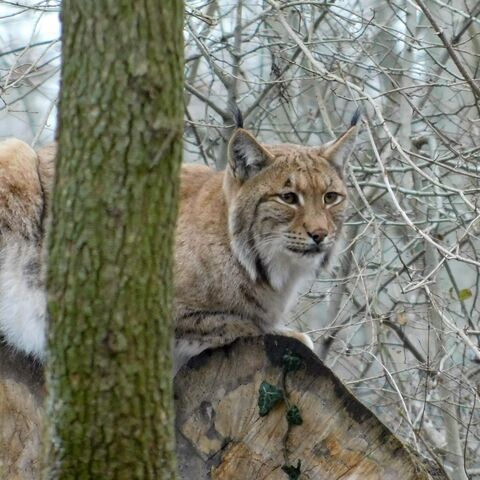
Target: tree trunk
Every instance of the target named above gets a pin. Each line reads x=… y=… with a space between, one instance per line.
x=110 y=409
x=221 y=435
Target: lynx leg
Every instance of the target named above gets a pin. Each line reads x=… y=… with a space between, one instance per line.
x=197 y=332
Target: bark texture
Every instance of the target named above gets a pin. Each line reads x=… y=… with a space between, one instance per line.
x=110 y=402
x=221 y=436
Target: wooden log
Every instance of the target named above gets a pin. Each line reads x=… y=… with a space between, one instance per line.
x=21 y=415
x=220 y=434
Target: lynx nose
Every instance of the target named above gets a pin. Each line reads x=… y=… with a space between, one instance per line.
x=318 y=235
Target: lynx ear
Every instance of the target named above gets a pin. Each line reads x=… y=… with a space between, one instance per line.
x=338 y=152
x=246 y=156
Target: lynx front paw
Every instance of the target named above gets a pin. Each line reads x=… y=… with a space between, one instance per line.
x=303 y=337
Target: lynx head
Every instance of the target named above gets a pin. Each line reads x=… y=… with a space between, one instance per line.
x=285 y=204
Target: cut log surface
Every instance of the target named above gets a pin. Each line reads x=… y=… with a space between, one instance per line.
x=220 y=434
x=21 y=392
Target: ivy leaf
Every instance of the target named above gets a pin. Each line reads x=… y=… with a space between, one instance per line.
x=292 y=472
x=293 y=416
x=464 y=294
x=291 y=362
x=268 y=396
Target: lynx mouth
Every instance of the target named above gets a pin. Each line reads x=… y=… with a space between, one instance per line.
x=313 y=250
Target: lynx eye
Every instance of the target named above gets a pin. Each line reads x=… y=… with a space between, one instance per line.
x=331 y=198
x=289 y=197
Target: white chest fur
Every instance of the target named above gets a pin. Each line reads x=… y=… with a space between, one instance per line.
x=22 y=303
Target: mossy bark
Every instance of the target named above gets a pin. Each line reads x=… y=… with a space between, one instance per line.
x=111 y=241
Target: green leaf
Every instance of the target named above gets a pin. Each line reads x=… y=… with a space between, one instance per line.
x=268 y=396
x=464 y=294
x=293 y=416
x=293 y=472
x=291 y=362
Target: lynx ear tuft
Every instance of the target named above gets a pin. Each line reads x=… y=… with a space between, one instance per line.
x=246 y=156
x=356 y=117
x=236 y=114
x=338 y=152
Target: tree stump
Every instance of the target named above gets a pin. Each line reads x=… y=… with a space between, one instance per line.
x=21 y=415
x=220 y=434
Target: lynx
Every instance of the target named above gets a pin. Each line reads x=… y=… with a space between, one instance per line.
x=25 y=181
x=246 y=238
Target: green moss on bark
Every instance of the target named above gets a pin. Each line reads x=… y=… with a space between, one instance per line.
x=111 y=241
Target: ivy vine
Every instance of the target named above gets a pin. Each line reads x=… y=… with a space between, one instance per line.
x=270 y=395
